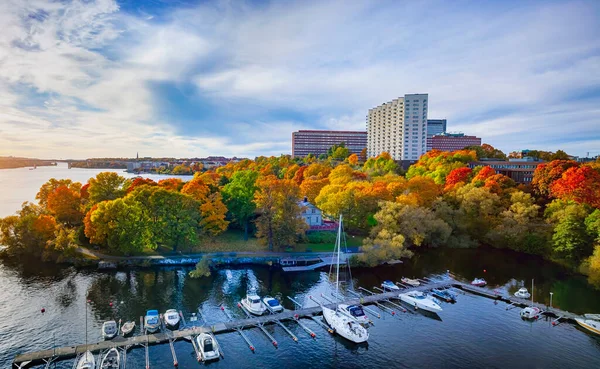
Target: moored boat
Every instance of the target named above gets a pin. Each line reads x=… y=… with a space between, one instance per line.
x=208 y=346
x=109 y=329
x=479 y=282
x=252 y=303
x=411 y=282
x=171 y=318
x=420 y=300
x=355 y=312
x=86 y=361
x=523 y=293
x=591 y=322
x=272 y=304
x=127 y=328
x=152 y=321
x=444 y=295
x=531 y=312
x=389 y=286
x=111 y=359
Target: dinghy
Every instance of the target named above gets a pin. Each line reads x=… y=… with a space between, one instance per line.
x=523 y=293
x=171 y=318
x=411 y=282
x=111 y=359
x=389 y=286
x=109 y=329
x=479 y=282
x=127 y=328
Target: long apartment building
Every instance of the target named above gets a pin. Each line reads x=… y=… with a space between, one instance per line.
x=398 y=127
x=317 y=142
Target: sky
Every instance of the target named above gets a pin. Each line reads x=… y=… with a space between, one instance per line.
x=178 y=78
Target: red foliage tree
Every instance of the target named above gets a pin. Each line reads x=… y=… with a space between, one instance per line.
x=139 y=181
x=545 y=174
x=485 y=173
x=580 y=184
x=84 y=191
x=456 y=176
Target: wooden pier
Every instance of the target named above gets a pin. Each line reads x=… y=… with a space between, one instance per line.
x=238 y=325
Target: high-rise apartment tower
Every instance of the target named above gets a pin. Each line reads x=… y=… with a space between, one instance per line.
x=398 y=127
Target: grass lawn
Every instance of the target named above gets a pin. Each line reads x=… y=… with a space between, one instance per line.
x=352 y=241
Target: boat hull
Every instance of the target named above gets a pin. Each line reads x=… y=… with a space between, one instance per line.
x=127 y=328
x=423 y=304
x=210 y=355
x=86 y=361
x=589 y=325
x=253 y=309
x=345 y=327
x=111 y=360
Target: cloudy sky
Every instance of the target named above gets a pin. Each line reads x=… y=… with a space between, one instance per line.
x=186 y=78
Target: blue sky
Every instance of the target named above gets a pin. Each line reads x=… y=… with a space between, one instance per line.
x=193 y=78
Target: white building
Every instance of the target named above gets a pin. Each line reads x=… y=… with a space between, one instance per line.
x=398 y=127
x=311 y=214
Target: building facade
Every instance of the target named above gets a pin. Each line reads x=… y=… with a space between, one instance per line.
x=317 y=142
x=398 y=127
x=435 y=127
x=311 y=214
x=452 y=142
x=520 y=171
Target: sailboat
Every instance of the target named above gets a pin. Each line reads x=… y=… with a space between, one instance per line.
x=343 y=324
x=86 y=361
x=531 y=312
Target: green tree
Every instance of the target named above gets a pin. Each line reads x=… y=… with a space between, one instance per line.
x=107 y=186
x=571 y=239
x=238 y=196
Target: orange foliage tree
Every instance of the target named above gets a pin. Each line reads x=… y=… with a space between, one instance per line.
x=546 y=173
x=456 y=176
x=171 y=184
x=65 y=204
x=579 y=184
x=139 y=181
x=312 y=187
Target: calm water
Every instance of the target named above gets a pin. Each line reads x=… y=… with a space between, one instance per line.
x=474 y=333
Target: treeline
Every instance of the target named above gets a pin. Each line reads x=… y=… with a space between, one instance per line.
x=440 y=201
x=10 y=162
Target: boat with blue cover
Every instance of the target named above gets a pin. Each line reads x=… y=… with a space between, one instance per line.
x=444 y=295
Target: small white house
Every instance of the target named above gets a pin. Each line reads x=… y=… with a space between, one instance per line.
x=311 y=214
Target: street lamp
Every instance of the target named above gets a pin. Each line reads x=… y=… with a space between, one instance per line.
x=551 y=293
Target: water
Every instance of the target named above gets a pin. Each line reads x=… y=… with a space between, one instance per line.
x=21 y=184
x=475 y=332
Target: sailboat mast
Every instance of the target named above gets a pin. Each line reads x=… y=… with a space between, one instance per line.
x=337 y=270
x=532 y=292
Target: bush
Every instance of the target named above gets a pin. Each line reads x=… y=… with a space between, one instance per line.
x=202 y=269
x=321 y=237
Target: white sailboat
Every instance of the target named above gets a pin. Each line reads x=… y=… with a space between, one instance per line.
x=86 y=361
x=343 y=325
x=531 y=312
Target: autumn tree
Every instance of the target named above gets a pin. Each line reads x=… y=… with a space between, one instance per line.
x=380 y=165
x=47 y=188
x=420 y=191
x=458 y=176
x=312 y=187
x=546 y=173
x=238 y=195
x=437 y=164
x=487 y=151
x=580 y=184
x=213 y=213
x=65 y=204
x=107 y=186
x=139 y=181
x=353 y=160
x=171 y=184
x=279 y=221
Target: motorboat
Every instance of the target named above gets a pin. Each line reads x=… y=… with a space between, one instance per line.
x=171 y=318
x=152 y=321
x=420 y=300
x=444 y=295
x=272 y=304
x=479 y=282
x=389 y=286
x=111 y=359
x=530 y=313
x=411 y=282
x=356 y=312
x=252 y=303
x=127 y=328
x=109 y=329
x=343 y=324
x=523 y=293
x=208 y=346
x=86 y=361
x=591 y=322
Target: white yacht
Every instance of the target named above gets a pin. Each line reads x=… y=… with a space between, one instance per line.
x=343 y=325
x=591 y=322
x=531 y=312
x=111 y=359
x=411 y=282
x=272 y=304
x=208 y=346
x=356 y=312
x=523 y=293
x=152 y=321
x=479 y=282
x=420 y=300
x=109 y=329
x=171 y=318
x=86 y=361
x=252 y=303
x=389 y=286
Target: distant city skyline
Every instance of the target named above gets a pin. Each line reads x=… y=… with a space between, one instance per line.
x=186 y=78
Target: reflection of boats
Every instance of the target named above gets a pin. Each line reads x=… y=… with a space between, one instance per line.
x=479 y=282
x=208 y=346
x=272 y=304
x=444 y=295
x=591 y=322
x=171 y=318
x=111 y=359
x=523 y=293
x=342 y=324
x=356 y=312
x=151 y=321
x=109 y=329
x=86 y=361
x=411 y=282
x=389 y=286
x=127 y=328
x=252 y=303
x=420 y=300
x=531 y=312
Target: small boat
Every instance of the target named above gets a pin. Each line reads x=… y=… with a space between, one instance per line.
x=252 y=303
x=272 y=304
x=356 y=312
x=479 y=282
x=389 y=286
x=111 y=359
x=171 y=318
x=531 y=312
x=523 y=293
x=411 y=282
x=444 y=295
x=208 y=346
x=420 y=300
x=127 y=328
x=86 y=361
x=152 y=321
x=109 y=329
x=591 y=322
